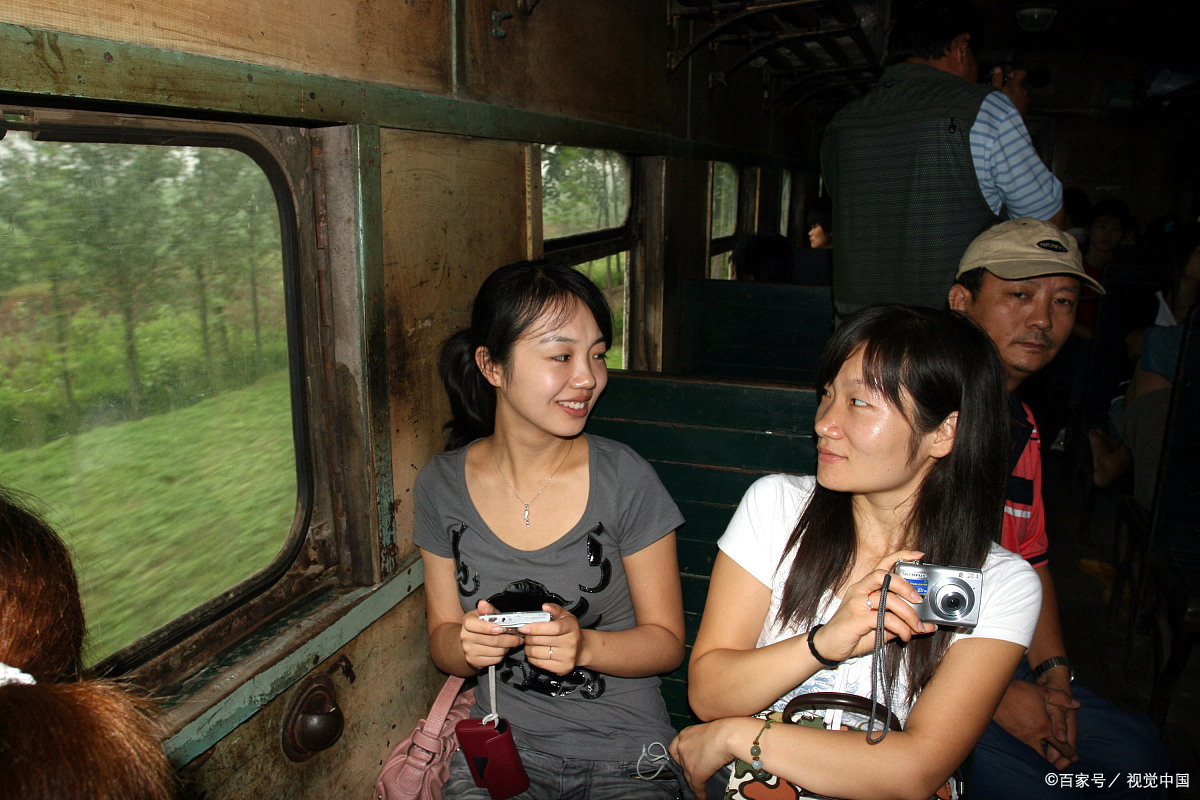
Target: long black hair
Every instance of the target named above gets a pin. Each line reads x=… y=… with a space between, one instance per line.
x=928 y=364
x=510 y=300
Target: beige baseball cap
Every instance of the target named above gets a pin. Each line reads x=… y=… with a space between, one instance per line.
x=1026 y=248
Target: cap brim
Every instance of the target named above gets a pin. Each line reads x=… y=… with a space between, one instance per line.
x=1017 y=269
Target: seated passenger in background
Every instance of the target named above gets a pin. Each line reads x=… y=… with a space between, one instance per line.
x=1111 y=221
x=61 y=737
x=763 y=258
x=1020 y=281
x=526 y=512
x=1139 y=417
x=820 y=225
x=814 y=264
x=912 y=443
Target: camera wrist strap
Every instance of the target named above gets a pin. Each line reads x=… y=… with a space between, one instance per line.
x=492 y=717
x=879 y=669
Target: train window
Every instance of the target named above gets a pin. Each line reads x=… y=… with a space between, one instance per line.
x=583 y=190
x=785 y=201
x=144 y=383
x=724 y=209
x=609 y=274
x=586 y=201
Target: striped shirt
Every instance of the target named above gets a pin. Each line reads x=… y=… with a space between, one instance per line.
x=1010 y=173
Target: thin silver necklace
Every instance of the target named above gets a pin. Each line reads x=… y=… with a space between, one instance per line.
x=496 y=458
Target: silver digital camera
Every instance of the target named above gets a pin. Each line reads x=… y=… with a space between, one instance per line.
x=952 y=594
x=516 y=619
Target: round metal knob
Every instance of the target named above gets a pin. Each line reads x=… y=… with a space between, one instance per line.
x=314 y=721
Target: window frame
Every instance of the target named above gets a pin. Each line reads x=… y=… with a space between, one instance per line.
x=718 y=245
x=318 y=552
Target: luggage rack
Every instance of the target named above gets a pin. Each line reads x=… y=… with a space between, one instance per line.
x=808 y=49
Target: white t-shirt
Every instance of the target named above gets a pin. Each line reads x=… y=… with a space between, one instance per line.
x=756 y=536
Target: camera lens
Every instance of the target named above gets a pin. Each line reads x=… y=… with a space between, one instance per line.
x=953 y=599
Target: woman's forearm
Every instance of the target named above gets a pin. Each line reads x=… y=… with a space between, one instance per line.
x=632 y=653
x=733 y=683
x=445 y=646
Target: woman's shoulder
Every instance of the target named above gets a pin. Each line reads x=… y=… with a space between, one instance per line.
x=1007 y=564
x=792 y=490
x=443 y=467
x=619 y=453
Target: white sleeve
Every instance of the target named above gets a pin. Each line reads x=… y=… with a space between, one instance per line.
x=764 y=521
x=1012 y=600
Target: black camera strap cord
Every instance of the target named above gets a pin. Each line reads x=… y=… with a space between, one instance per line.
x=879 y=676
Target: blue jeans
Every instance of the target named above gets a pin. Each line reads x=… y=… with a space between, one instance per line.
x=557 y=778
x=1110 y=742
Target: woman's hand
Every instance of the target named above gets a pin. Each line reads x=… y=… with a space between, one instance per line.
x=851 y=630
x=485 y=644
x=554 y=646
x=703 y=749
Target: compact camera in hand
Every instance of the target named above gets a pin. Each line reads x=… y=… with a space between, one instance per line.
x=952 y=594
x=516 y=619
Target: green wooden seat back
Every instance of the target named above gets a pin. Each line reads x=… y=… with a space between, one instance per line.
x=708 y=441
x=755 y=331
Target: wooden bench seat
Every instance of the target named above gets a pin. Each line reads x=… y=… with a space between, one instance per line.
x=708 y=441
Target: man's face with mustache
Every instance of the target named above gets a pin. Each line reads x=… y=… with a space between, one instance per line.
x=1028 y=319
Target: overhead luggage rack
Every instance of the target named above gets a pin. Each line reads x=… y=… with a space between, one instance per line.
x=807 y=49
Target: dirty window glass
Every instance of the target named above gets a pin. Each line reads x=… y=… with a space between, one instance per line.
x=785 y=201
x=583 y=190
x=724 y=200
x=144 y=391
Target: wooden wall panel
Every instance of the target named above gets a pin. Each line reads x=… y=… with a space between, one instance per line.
x=395 y=43
x=385 y=682
x=601 y=60
x=454 y=209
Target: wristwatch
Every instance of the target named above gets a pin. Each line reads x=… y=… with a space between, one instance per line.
x=1049 y=664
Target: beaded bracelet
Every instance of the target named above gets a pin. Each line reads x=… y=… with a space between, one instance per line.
x=813 y=648
x=756 y=750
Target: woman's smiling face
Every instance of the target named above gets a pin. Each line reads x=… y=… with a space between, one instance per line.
x=864 y=443
x=555 y=374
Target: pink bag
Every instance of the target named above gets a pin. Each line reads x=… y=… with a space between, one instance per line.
x=420 y=764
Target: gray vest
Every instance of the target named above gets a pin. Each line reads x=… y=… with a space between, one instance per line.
x=906 y=201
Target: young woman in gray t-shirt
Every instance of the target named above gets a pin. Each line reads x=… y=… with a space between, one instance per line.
x=526 y=513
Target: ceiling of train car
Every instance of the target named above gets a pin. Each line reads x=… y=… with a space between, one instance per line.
x=817 y=54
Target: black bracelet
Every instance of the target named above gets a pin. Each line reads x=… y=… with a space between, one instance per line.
x=813 y=648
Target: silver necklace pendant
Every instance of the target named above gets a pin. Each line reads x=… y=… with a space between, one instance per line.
x=527 y=515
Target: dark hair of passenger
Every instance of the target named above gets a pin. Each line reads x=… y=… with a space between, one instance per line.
x=928 y=364
x=821 y=214
x=1112 y=207
x=763 y=257
x=510 y=300
x=62 y=738
x=42 y=625
x=972 y=280
x=924 y=29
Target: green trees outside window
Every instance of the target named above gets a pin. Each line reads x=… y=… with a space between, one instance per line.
x=144 y=392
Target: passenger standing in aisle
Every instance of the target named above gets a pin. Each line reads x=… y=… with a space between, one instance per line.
x=926 y=161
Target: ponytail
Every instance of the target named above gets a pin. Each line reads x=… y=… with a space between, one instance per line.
x=472 y=398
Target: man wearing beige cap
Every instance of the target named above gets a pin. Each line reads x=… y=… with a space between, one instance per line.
x=1020 y=281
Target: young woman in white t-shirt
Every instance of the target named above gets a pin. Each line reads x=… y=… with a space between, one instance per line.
x=913 y=447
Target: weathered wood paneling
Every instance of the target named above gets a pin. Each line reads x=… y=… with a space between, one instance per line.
x=385 y=682
x=601 y=60
x=396 y=43
x=454 y=209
